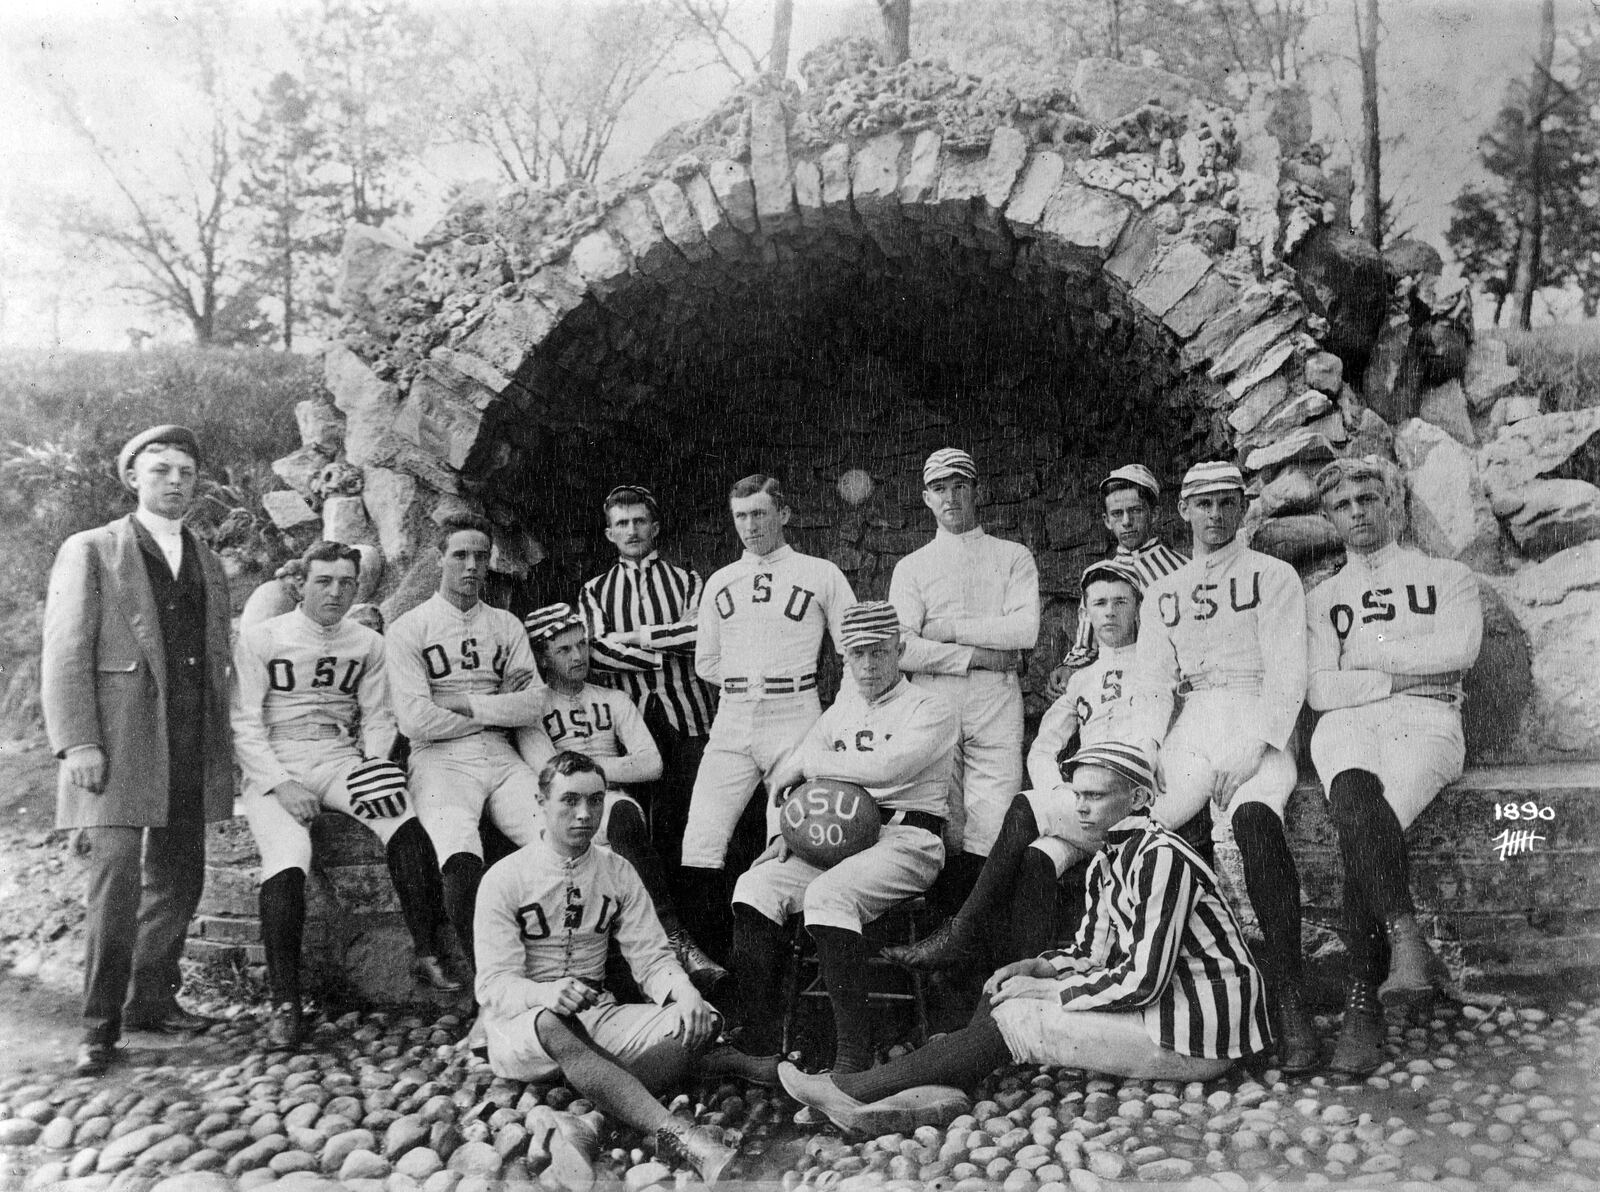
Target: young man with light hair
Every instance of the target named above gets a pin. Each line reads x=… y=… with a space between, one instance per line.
x=969 y=613
x=1392 y=636
x=643 y=615
x=603 y=723
x=303 y=681
x=895 y=740
x=1157 y=985
x=1037 y=841
x=760 y=635
x=1130 y=496
x=462 y=678
x=1222 y=640
x=546 y=916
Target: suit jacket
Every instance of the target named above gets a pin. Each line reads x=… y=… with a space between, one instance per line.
x=104 y=679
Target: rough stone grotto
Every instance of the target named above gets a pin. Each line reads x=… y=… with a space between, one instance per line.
x=838 y=280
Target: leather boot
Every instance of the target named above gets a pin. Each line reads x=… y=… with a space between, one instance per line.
x=700 y=1147
x=947 y=947
x=1359 y=1049
x=1416 y=974
x=703 y=972
x=1297 y=1034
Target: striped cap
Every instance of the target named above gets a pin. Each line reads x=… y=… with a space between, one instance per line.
x=948 y=461
x=869 y=621
x=1211 y=477
x=550 y=620
x=377 y=789
x=1130 y=761
x=633 y=494
x=1137 y=475
x=1111 y=569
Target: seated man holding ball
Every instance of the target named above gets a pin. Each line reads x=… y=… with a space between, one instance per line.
x=897 y=741
x=1158 y=984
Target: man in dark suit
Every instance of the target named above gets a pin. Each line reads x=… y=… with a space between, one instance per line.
x=135 y=692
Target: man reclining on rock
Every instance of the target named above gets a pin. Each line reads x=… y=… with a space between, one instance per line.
x=544 y=920
x=1158 y=984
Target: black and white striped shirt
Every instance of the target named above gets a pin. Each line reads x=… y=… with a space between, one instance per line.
x=1158 y=934
x=662 y=601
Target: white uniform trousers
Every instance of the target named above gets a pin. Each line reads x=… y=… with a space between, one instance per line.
x=640 y=1036
x=748 y=739
x=321 y=766
x=451 y=781
x=1412 y=743
x=988 y=762
x=1213 y=726
x=901 y=864
x=1039 y=1031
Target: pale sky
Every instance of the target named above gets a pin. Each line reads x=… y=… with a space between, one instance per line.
x=1444 y=66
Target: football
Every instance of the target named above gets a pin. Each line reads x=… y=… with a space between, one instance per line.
x=826 y=820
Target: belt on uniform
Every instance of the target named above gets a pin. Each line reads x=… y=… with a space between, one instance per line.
x=925 y=820
x=1218 y=680
x=782 y=685
x=305 y=732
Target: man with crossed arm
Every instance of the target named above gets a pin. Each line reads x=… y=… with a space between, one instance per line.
x=1392 y=634
x=462 y=676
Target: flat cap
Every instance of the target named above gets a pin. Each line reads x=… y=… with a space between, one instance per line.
x=1213 y=476
x=171 y=432
x=948 y=461
x=1137 y=475
x=867 y=622
x=551 y=620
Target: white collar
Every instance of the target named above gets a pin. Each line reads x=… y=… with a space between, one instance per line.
x=161 y=527
x=756 y=560
x=971 y=535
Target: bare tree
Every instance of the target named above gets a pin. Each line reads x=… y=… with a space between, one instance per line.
x=782 y=25
x=1371 y=138
x=708 y=20
x=1263 y=34
x=545 y=102
x=1530 y=239
x=896 y=15
x=173 y=225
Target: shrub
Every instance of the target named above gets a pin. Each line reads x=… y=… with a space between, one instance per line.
x=1560 y=364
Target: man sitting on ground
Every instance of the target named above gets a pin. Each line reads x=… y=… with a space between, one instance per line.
x=1037 y=845
x=603 y=723
x=1391 y=637
x=546 y=916
x=1158 y=984
x=897 y=741
x=302 y=682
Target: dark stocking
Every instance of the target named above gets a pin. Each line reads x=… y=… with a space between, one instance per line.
x=1274 y=887
x=758 y=956
x=1197 y=835
x=993 y=889
x=283 y=922
x=630 y=839
x=597 y=1076
x=414 y=870
x=1372 y=844
x=843 y=957
x=462 y=873
x=960 y=1059
x=1033 y=906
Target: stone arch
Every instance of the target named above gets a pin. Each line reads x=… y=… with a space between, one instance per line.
x=1055 y=297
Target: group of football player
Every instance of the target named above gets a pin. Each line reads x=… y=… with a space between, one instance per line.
x=617 y=743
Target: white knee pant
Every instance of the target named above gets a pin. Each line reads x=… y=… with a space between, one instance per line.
x=1202 y=745
x=640 y=1036
x=988 y=765
x=451 y=781
x=901 y=864
x=748 y=740
x=1119 y=1044
x=321 y=767
x=1413 y=744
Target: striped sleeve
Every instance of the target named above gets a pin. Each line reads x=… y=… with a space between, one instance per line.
x=1092 y=928
x=1156 y=560
x=604 y=602
x=675 y=598
x=1139 y=971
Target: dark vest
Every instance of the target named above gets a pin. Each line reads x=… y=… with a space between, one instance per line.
x=181 y=607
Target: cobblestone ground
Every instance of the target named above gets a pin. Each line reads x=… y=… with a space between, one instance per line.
x=1497 y=1098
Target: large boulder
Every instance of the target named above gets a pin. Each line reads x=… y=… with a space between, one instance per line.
x=1105 y=90
x=1489 y=374
x=1499 y=685
x=368 y=404
x=1449 y=510
x=1556 y=604
x=1554 y=515
x=1531 y=448
x=1340 y=276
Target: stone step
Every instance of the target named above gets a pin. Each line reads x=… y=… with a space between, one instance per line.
x=1492 y=910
